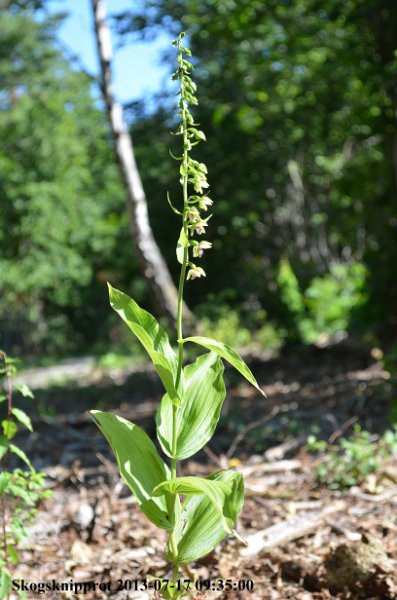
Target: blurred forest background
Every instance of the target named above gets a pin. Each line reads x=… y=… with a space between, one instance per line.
x=298 y=100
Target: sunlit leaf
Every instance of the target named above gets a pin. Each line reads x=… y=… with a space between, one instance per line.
x=3 y=482
x=151 y=335
x=13 y=554
x=200 y=529
x=139 y=463
x=20 y=453
x=9 y=428
x=22 y=417
x=25 y=390
x=5 y=582
x=217 y=493
x=198 y=414
x=227 y=353
x=183 y=243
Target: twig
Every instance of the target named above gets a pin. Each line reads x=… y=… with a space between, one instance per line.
x=241 y=435
x=278 y=452
x=389 y=494
x=341 y=429
x=221 y=461
x=286 y=531
x=273 y=467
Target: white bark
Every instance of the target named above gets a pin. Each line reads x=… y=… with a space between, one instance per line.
x=153 y=266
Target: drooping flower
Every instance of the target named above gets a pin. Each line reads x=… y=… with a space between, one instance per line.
x=193 y=214
x=195 y=273
x=198 y=249
x=205 y=202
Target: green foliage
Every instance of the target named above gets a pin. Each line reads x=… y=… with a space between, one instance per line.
x=301 y=158
x=300 y=126
x=20 y=490
x=190 y=409
x=61 y=197
x=331 y=299
x=353 y=459
x=326 y=304
x=226 y=324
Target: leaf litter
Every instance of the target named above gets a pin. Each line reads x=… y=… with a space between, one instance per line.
x=304 y=541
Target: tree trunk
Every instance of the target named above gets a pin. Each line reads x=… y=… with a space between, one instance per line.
x=154 y=268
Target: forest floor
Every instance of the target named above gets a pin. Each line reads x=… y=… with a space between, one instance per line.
x=305 y=541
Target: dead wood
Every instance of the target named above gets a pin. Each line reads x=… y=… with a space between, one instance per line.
x=153 y=265
x=286 y=531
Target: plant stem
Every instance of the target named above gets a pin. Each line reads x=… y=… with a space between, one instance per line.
x=173 y=544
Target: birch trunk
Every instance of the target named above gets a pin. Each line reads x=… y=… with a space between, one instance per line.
x=154 y=268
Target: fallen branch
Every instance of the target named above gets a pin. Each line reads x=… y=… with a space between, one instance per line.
x=286 y=531
x=274 y=467
x=255 y=424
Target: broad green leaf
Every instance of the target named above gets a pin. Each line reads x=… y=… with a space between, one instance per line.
x=5 y=583
x=217 y=493
x=198 y=414
x=140 y=465
x=200 y=529
x=22 y=417
x=151 y=335
x=228 y=354
x=9 y=428
x=183 y=243
x=21 y=454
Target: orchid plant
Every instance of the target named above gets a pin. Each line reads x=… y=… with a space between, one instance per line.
x=197 y=512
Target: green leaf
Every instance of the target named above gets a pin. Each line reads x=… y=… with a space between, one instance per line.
x=151 y=335
x=3 y=482
x=183 y=243
x=21 y=454
x=9 y=428
x=13 y=554
x=5 y=583
x=22 y=417
x=176 y=211
x=199 y=529
x=217 y=493
x=228 y=354
x=182 y=169
x=3 y=446
x=25 y=391
x=198 y=414
x=139 y=463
